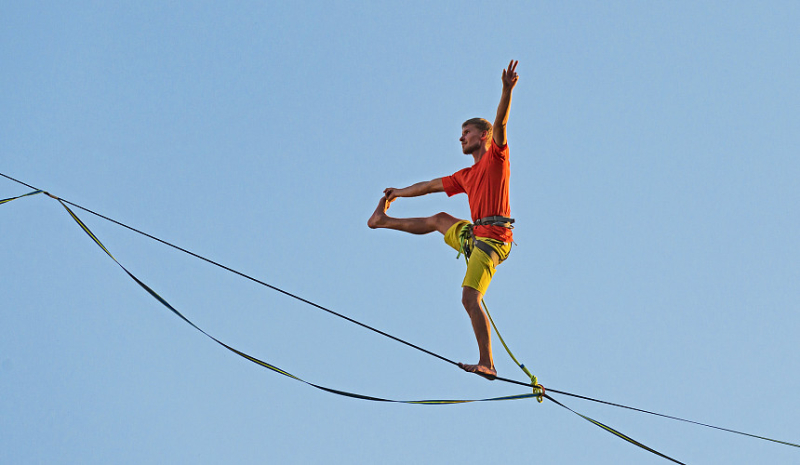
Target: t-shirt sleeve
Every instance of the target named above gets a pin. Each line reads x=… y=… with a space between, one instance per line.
x=451 y=184
x=500 y=152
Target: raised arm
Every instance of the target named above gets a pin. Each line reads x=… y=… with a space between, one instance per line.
x=509 y=81
x=420 y=188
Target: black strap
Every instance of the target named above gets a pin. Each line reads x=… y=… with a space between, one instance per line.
x=489 y=250
x=502 y=221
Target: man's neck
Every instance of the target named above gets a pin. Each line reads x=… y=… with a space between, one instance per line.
x=478 y=154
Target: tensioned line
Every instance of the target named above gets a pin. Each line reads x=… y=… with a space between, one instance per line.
x=549 y=390
x=538 y=391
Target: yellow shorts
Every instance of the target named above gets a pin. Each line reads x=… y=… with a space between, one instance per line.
x=480 y=268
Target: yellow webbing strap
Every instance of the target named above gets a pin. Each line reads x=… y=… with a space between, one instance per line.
x=19 y=196
x=616 y=433
x=466 y=239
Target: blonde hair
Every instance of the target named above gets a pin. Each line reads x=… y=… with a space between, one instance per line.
x=481 y=124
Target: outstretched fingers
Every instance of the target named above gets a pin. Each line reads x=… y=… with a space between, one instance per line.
x=510 y=76
x=512 y=66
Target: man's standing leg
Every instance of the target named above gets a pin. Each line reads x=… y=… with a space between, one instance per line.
x=471 y=298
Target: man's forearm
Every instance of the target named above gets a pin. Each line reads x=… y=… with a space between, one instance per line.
x=415 y=190
x=499 y=127
x=503 y=108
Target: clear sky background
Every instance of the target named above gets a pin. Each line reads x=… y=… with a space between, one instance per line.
x=654 y=156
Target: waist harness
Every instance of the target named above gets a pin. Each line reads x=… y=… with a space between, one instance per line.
x=502 y=221
x=469 y=241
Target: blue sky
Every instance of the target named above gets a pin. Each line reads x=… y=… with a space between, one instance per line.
x=654 y=156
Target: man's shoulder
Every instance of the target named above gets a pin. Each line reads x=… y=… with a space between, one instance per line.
x=453 y=184
x=499 y=151
x=499 y=147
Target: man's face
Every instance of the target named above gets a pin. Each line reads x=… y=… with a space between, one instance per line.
x=470 y=139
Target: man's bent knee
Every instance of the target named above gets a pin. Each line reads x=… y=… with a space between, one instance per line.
x=443 y=221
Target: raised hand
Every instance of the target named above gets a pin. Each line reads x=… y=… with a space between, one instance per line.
x=510 y=76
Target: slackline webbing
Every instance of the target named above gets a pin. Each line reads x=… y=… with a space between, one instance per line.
x=255 y=360
x=535 y=393
x=354 y=395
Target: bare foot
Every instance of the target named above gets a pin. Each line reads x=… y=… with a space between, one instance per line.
x=487 y=372
x=378 y=217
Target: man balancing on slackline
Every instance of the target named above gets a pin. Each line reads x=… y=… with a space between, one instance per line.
x=486 y=186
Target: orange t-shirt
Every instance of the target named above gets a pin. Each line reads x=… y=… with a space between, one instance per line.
x=486 y=186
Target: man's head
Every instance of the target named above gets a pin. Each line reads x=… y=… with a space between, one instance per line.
x=475 y=133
